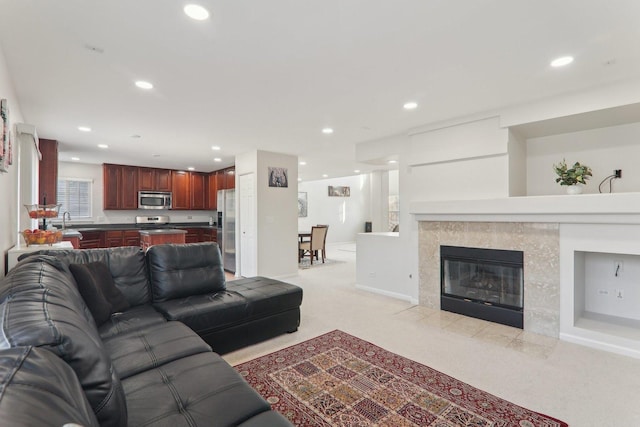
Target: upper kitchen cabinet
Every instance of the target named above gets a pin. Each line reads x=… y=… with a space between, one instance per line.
x=227 y=178
x=120 y=187
x=212 y=191
x=48 y=172
x=151 y=179
x=181 y=193
x=198 y=190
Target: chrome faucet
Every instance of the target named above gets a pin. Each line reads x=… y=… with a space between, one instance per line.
x=64 y=217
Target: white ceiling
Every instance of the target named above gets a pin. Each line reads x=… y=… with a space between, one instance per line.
x=270 y=75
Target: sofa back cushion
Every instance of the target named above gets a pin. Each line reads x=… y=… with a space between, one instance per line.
x=177 y=271
x=98 y=290
x=40 y=306
x=37 y=388
x=127 y=266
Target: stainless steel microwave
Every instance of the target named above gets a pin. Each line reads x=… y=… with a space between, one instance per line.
x=154 y=200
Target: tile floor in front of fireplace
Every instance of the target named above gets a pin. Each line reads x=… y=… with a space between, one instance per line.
x=576 y=384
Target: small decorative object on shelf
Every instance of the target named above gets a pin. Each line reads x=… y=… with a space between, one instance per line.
x=574 y=178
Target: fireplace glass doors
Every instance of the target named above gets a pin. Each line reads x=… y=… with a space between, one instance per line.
x=483 y=283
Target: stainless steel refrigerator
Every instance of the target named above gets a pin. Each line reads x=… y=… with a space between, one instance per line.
x=227 y=228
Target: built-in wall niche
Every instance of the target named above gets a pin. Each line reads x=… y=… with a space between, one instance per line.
x=607 y=293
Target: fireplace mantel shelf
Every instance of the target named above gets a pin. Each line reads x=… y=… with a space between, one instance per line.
x=616 y=208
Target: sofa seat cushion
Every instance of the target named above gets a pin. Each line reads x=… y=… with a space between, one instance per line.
x=37 y=388
x=142 y=349
x=135 y=318
x=199 y=390
x=177 y=271
x=266 y=296
x=206 y=312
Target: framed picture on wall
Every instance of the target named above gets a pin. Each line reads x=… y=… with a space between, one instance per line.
x=278 y=177
x=339 y=191
x=302 y=205
x=4 y=135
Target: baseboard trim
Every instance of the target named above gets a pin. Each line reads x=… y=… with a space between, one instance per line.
x=395 y=295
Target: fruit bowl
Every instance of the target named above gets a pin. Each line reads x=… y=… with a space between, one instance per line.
x=42 y=237
x=42 y=211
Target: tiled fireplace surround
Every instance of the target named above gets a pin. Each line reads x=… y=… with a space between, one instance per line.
x=538 y=241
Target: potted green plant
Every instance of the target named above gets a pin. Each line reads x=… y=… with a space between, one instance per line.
x=574 y=178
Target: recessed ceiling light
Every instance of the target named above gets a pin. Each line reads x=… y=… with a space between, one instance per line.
x=144 y=85
x=324 y=175
x=357 y=171
x=217 y=159
x=191 y=168
x=303 y=163
x=197 y=12
x=94 y=49
x=104 y=146
x=215 y=148
x=155 y=155
x=562 y=61
x=75 y=159
x=327 y=131
x=392 y=162
x=410 y=105
x=84 y=128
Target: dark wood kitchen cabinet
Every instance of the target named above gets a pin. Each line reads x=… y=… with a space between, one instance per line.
x=209 y=235
x=120 y=187
x=180 y=182
x=115 y=238
x=92 y=239
x=212 y=191
x=48 y=172
x=197 y=190
x=227 y=178
x=151 y=179
x=230 y=178
x=194 y=235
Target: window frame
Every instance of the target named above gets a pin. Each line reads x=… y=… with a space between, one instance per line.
x=89 y=197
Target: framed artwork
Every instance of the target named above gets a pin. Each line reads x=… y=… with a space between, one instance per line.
x=339 y=191
x=5 y=146
x=278 y=177
x=302 y=205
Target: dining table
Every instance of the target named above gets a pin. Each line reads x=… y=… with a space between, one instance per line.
x=302 y=235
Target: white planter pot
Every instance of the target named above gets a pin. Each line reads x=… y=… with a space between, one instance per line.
x=575 y=189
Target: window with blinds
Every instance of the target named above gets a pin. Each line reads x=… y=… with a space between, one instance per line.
x=74 y=195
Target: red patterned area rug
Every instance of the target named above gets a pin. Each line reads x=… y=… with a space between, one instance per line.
x=339 y=380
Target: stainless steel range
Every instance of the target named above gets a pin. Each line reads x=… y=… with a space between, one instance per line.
x=155 y=221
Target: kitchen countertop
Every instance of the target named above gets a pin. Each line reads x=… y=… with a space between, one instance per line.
x=162 y=231
x=113 y=227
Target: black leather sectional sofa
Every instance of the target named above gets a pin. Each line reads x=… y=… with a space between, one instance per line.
x=149 y=365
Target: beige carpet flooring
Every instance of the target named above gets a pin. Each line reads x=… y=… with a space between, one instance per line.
x=576 y=384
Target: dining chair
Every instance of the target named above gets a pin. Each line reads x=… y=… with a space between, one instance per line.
x=314 y=246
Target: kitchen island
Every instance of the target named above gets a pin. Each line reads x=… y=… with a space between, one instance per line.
x=161 y=236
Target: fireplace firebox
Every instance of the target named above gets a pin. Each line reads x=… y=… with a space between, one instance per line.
x=483 y=283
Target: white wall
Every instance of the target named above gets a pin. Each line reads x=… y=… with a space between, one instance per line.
x=604 y=149
x=9 y=206
x=467 y=161
x=276 y=212
x=344 y=215
x=100 y=216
